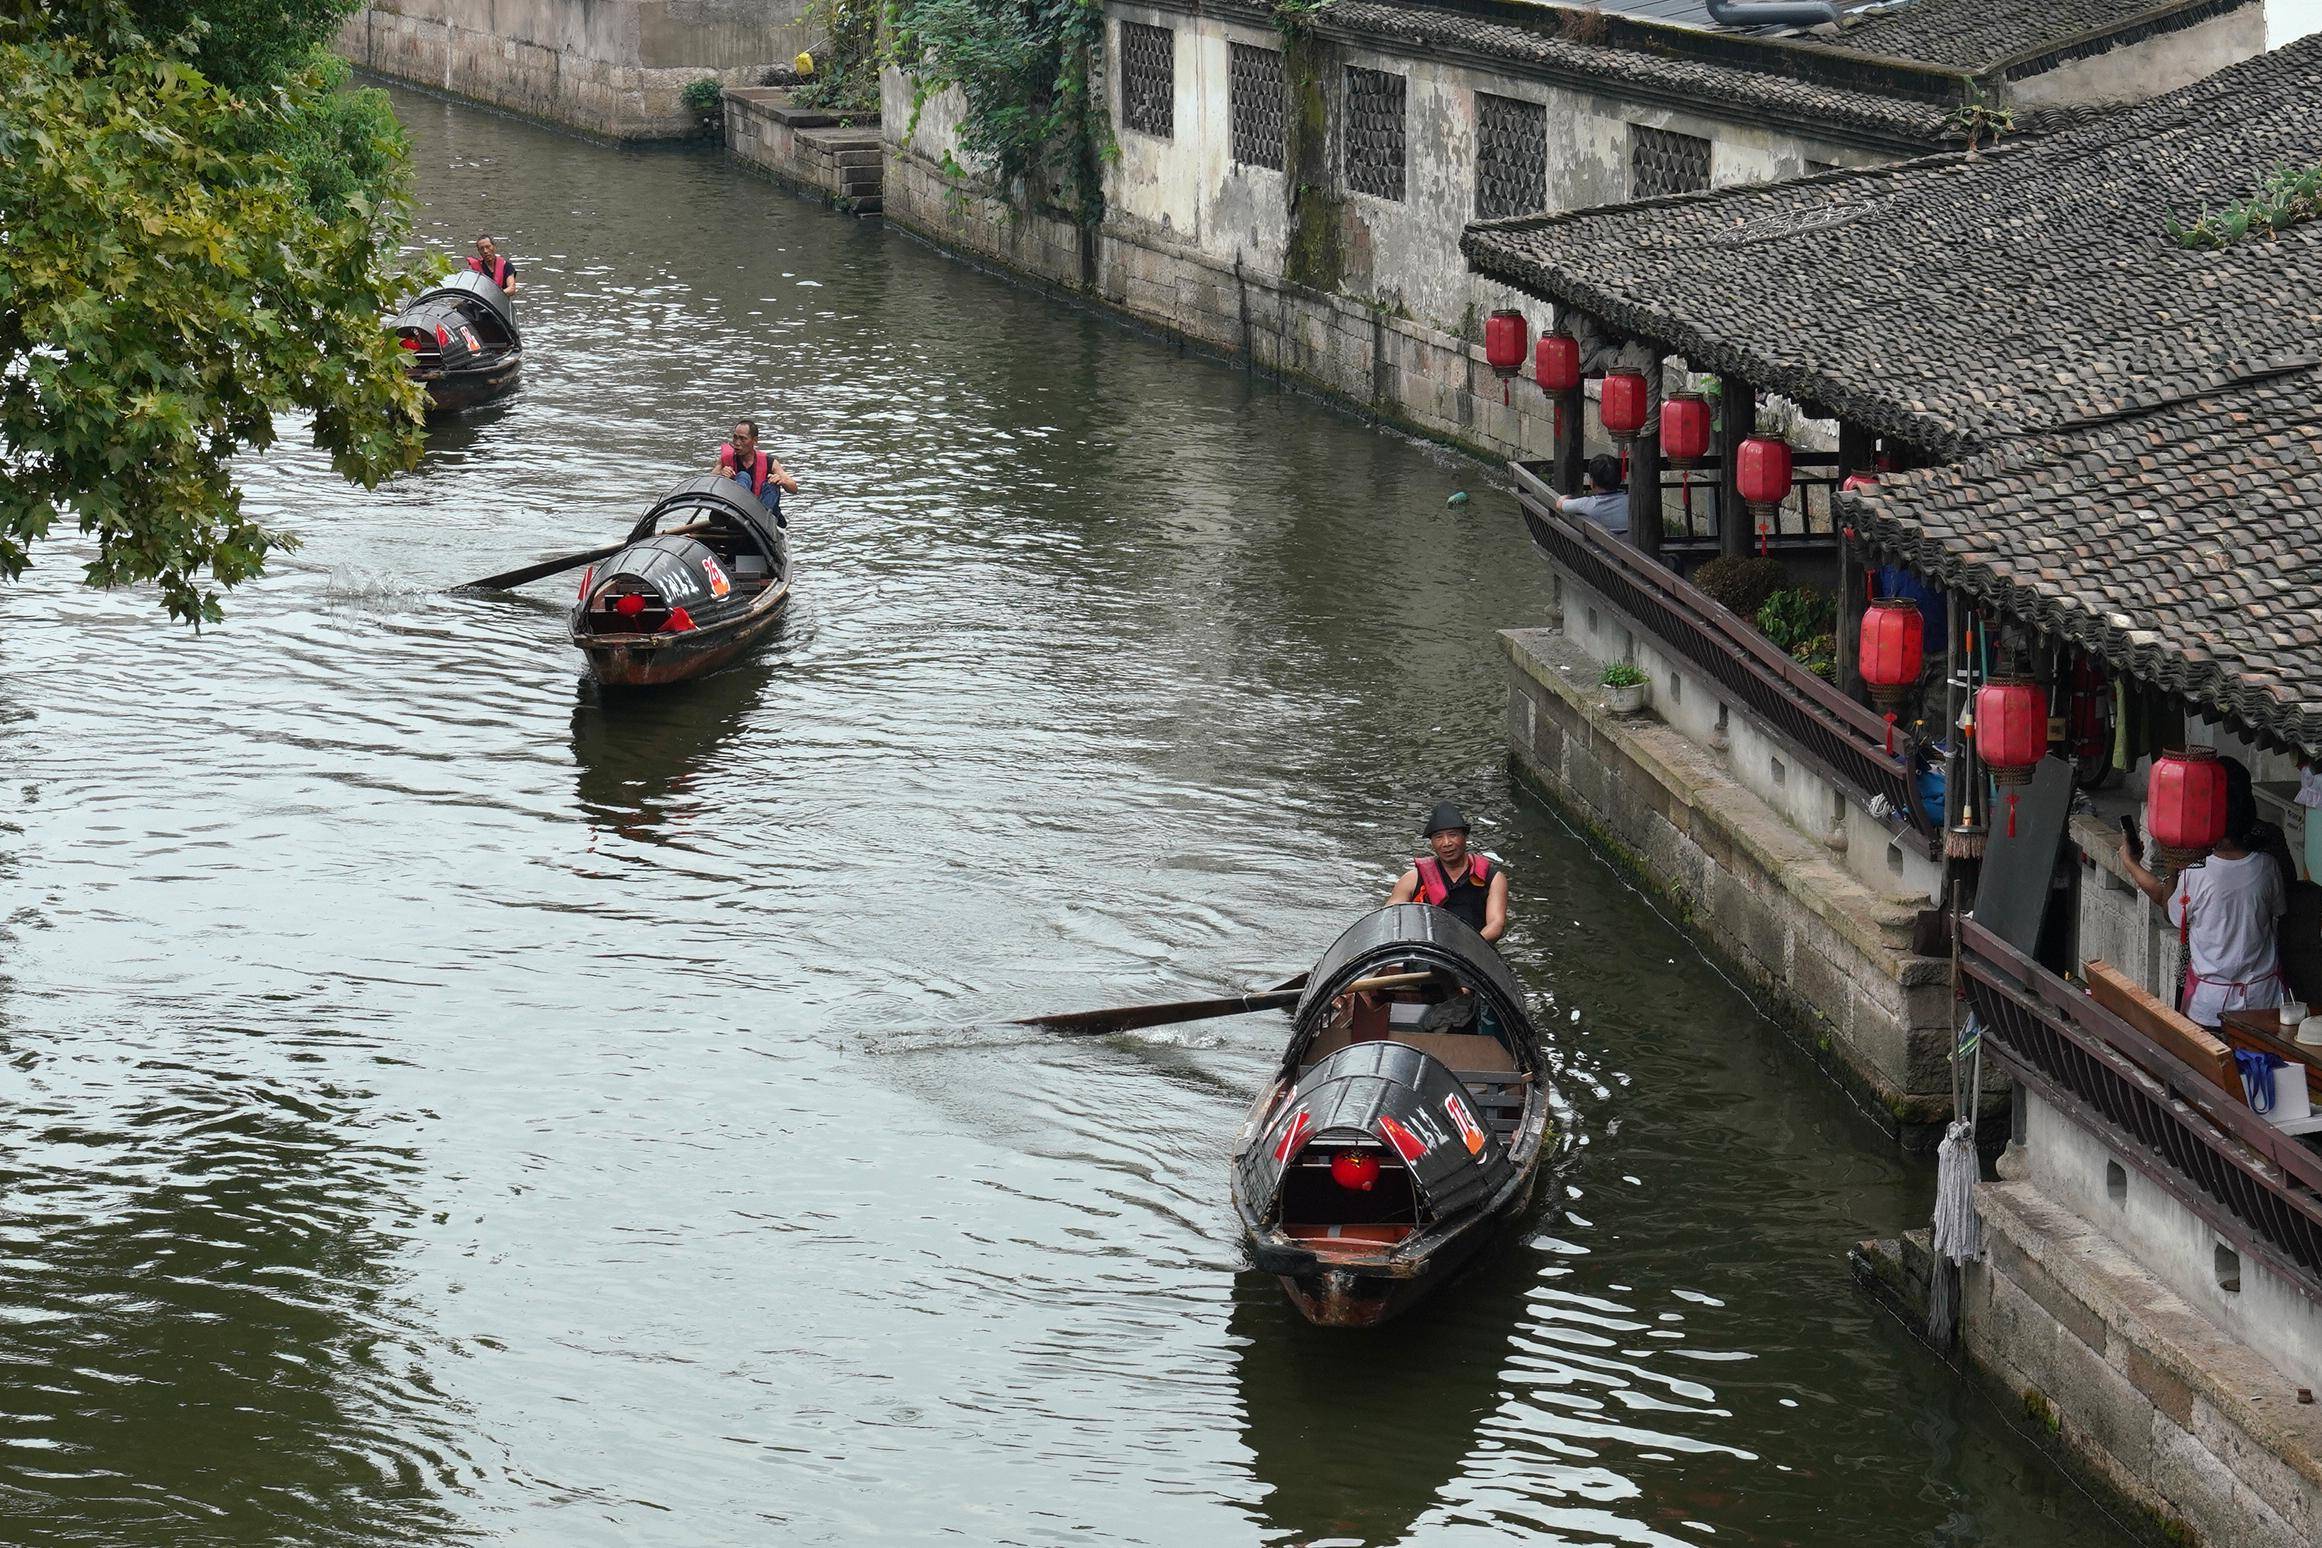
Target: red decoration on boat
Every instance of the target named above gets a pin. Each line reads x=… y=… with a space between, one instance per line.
x=1507 y=337
x=2185 y=803
x=442 y=336
x=1354 y=1169
x=680 y=622
x=2011 y=727
x=1293 y=1137
x=1684 y=428
x=1407 y=1145
x=1891 y=649
x=631 y=605
x=1761 y=473
x=588 y=576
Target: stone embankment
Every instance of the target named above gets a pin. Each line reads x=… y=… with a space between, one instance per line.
x=837 y=155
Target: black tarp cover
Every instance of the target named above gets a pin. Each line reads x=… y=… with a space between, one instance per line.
x=714 y=493
x=1404 y=1099
x=1413 y=932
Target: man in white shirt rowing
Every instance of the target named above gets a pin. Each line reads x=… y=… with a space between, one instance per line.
x=2227 y=910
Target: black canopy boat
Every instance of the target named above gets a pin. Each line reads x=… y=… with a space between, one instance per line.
x=704 y=578
x=1407 y=1122
x=461 y=343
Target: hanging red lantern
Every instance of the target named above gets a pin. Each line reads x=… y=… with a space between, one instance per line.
x=1623 y=404
x=1354 y=1170
x=1556 y=362
x=1507 y=339
x=1761 y=473
x=2185 y=804
x=1556 y=366
x=1891 y=648
x=1684 y=428
x=2011 y=727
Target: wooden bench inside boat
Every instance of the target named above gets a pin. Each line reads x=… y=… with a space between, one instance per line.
x=1483 y=1065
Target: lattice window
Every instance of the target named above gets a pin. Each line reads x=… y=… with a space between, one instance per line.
x=1374 y=133
x=1662 y=162
x=1254 y=96
x=1511 y=157
x=1148 y=79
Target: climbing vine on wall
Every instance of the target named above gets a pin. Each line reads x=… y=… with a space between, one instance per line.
x=1035 y=117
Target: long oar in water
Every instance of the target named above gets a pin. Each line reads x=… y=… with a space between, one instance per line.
x=1128 y=1018
x=548 y=567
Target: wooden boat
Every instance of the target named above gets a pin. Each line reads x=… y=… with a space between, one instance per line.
x=461 y=343
x=704 y=578
x=1406 y=1124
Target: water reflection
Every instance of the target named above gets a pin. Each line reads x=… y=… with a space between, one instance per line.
x=643 y=760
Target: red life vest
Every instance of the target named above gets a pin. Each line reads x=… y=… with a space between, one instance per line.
x=498 y=271
x=1434 y=887
x=759 y=470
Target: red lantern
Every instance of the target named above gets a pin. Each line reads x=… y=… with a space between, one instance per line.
x=1507 y=339
x=1623 y=404
x=1891 y=649
x=1761 y=472
x=1354 y=1170
x=2185 y=804
x=1684 y=428
x=1556 y=362
x=2011 y=728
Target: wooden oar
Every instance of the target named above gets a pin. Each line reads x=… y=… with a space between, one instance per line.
x=1128 y=1018
x=548 y=567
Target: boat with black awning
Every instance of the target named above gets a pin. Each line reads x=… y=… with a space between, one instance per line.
x=461 y=342
x=1406 y=1124
x=705 y=576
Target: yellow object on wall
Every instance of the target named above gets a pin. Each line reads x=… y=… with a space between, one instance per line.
x=804 y=63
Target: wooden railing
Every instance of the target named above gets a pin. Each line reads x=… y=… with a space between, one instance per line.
x=1849 y=744
x=2258 y=1188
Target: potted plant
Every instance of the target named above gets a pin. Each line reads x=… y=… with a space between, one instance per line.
x=1625 y=688
x=705 y=98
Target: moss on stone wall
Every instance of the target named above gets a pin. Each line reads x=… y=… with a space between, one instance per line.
x=1317 y=250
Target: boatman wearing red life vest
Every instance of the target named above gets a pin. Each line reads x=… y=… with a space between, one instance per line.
x=1456 y=878
x=741 y=460
x=493 y=267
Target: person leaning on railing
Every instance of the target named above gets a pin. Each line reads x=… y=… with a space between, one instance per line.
x=1606 y=503
x=2228 y=912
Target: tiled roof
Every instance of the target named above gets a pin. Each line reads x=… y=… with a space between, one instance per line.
x=1979 y=35
x=1951 y=301
x=2183 y=544
x=1890 y=117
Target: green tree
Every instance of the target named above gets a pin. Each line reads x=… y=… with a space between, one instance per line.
x=181 y=262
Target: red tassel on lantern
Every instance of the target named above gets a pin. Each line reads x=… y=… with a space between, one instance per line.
x=2185 y=804
x=1507 y=338
x=2011 y=728
x=1891 y=649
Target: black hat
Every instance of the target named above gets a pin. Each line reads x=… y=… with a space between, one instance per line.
x=1446 y=815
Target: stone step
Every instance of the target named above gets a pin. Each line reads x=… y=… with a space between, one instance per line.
x=869 y=205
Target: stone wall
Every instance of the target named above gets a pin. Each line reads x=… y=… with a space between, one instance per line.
x=813 y=151
x=612 y=68
x=1828 y=949
x=2150 y=1394
x=2150 y=66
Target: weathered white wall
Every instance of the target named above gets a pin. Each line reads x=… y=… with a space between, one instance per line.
x=2155 y=65
x=2068 y=1163
x=614 y=68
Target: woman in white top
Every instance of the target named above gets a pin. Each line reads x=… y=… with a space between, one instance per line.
x=2227 y=910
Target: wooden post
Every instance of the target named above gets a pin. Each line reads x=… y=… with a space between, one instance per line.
x=1571 y=410
x=1737 y=418
x=1854 y=456
x=1645 y=471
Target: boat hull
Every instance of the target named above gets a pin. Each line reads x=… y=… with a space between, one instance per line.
x=1365 y=1292
x=656 y=660
x=451 y=392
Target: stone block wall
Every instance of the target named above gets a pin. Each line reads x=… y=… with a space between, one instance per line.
x=612 y=68
x=2162 y=1406
x=809 y=150
x=1826 y=950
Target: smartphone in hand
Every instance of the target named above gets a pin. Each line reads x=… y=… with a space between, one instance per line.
x=2136 y=846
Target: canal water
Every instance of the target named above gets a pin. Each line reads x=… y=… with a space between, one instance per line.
x=440 y=1104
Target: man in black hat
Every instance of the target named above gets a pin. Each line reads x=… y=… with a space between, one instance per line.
x=1456 y=878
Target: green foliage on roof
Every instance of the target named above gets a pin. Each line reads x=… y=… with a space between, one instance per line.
x=2286 y=198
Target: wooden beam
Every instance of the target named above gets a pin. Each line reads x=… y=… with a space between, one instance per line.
x=1856 y=450
x=1737 y=419
x=1645 y=471
x=1571 y=410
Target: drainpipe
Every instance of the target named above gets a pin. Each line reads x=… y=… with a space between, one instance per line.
x=1771 y=13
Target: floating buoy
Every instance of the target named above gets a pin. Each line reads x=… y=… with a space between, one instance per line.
x=1458 y=497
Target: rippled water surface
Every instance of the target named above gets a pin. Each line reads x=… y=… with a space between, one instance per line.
x=441 y=1105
